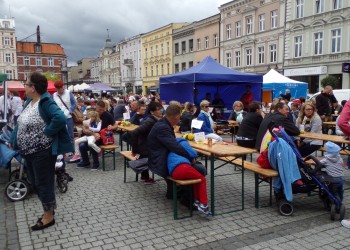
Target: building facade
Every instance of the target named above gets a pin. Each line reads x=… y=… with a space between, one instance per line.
x=317 y=41
x=41 y=57
x=157 y=54
x=8 y=58
x=207 y=38
x=106 y=68
x=183 y=42
x=131 y=63
x=252 y=35
x=80 y=73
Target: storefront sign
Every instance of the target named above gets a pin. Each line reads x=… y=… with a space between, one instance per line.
x=346 y=67
x=306 y=71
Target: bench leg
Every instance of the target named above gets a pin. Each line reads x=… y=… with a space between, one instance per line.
x=125 y=162
x=113 y=153
x=175 y=201
x=270 y=192
x=256 y=190
x=103 y=160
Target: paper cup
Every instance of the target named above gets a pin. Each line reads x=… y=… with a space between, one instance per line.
x=336 y=112
x=302 y=128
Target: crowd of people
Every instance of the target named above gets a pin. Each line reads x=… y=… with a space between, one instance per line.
x=44 y=128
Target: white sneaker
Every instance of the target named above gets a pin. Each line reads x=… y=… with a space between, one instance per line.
x=346 y=223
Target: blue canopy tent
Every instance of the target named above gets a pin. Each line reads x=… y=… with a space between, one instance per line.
x=209 y=77
x=276 y=83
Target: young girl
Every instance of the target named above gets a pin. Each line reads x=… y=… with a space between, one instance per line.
x=94 y=124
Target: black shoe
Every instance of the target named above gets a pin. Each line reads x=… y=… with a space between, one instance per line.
x=70 y=178
x=39 y=225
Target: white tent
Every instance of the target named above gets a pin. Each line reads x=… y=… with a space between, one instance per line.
x=84 y=86
x=276 y=82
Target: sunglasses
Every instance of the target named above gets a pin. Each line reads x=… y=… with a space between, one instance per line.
x=205 y=106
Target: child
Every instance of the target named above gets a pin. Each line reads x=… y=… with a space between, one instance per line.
x=333 y=163
x=94 y=124
x=180 y=168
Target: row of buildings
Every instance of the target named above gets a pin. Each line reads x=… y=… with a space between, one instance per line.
x=303 y=39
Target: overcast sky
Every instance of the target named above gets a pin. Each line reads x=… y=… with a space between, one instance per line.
x=81 y=26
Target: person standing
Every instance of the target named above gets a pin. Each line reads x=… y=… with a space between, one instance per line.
x=66 y=101
x=247 y=98
x=286 y=96
x=40 y=136
x=324 y=106
x=16 y=106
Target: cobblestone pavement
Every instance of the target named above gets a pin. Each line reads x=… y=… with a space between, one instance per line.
x=100 y=211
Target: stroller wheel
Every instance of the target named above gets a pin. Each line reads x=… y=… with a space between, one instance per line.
x=341 y=212
x=285 y=208
x=62 y=184
x=333 y=211
x=16 y=190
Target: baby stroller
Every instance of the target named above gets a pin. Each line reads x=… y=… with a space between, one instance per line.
x=312 y=179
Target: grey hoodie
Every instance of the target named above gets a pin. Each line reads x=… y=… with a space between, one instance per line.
x=333 y=164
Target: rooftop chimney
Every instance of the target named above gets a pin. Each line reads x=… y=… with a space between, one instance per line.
x=38 y=34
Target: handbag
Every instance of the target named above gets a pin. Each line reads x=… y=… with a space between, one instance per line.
x=77 y=115
x=139 y=165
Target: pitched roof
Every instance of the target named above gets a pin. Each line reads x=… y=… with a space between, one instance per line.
x=46 y=48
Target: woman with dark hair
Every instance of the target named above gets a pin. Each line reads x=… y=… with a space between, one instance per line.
x=187 y=117
x=138 y=137
x=248 y=129
x=40 y=136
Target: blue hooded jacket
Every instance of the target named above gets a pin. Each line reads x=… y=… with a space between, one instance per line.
x=174 y=159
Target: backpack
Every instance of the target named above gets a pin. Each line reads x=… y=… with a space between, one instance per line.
x=107 y=136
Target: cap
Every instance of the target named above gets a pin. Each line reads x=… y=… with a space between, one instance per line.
x=332 y=148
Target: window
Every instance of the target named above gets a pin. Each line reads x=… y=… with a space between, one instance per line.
x=146 y=53
x=6 y=24
x=183 y=47
x=261 y=55
x=183 y=66
x=228 y=59
x=9 y=74
x=6 y=41
x=198 y=44
x=190 y=45
x=207 y=42
x=50 y=62
x=37 y=48
x=273 y=19
x=176 y=68
x=168 y=48
x=228 y=31
x=238 y=29
x=336 y=36
x=151 y=51
x=249 y=56
x=161 y=49
x=151 y=70
x=298 y=42
x=156 y=50
x=273 y=53
x=162 y=69
x=249 y=22
x=146 y=69
x=38 y=61
x=157 y=71
x=190 y=64
x=318 y=43
x=262 y=22
x=238 y=58
x=300 y=8
x=176 y=48
x=215 y=40
x=319 y=6
x=8 y=57
x=168 y=68
x=336 y=4
x=26 y=60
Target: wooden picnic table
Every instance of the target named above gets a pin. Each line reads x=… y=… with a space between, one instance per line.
x=129 y=128
x=325 y=137
x=222 y=149
x=330 y=123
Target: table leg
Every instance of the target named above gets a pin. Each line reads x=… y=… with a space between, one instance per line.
x=212 y=185
x=242 y=183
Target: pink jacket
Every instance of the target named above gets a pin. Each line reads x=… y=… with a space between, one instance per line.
x=344 y=119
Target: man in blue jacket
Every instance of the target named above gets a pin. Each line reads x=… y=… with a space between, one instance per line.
x=161 y=140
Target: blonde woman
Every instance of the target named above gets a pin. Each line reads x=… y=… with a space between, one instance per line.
x=312 y=122
x=237 y=113
x=94 y=124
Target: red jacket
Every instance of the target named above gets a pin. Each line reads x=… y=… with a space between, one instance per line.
x=246 y=99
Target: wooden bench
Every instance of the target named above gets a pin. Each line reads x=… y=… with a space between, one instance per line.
x=261 y=174
x=108 y=149
x=128 y=157
x=176 y=184
x=342 y=152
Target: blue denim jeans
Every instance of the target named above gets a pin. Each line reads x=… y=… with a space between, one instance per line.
x=336 y=187
x=41 y=174
x=84 y=148
x=70 y=129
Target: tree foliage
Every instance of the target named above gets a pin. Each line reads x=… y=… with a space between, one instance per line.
x=51 y=77
x=329 y=80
